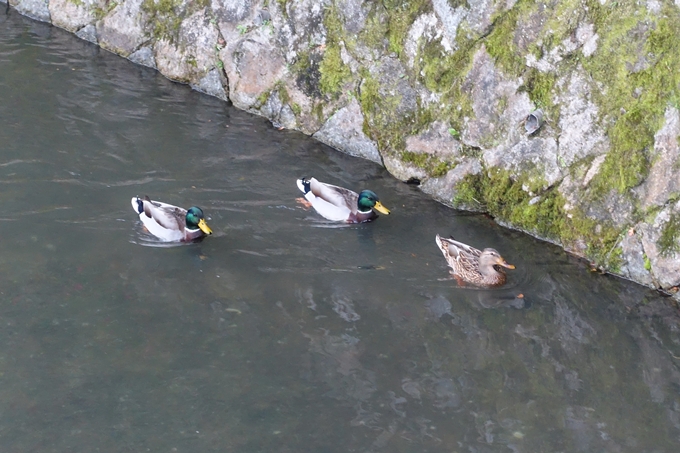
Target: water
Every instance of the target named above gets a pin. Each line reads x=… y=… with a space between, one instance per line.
x=281 y=332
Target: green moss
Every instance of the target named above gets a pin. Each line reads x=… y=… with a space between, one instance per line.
x=263 y=97
x=280 y=87
x=302 y=62
x=468 y=193
x=635 y=72
x=283 y=4
x=433 y=165
x=295 y=107
x=501 y=43
x=101 y=11
x=441 y=168
x=445 y=73
x=539 y=86
x=636 y=62
x=441 y=72
x=540 y=212
x=418 y=159
x=633 y=63
x=470 y=151
x=165 y=16
x=669 y=241
x=317 y=111
x=374 y=32
x=628 y=162
x=369 y=95
x=334 y=73
x=401 y=15
x=382 y=122
x=376 y=109
x=439 y=69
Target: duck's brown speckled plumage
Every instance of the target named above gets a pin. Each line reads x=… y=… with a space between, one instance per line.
x=471 y=265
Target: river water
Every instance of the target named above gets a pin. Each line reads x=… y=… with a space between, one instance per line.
x=281 y=332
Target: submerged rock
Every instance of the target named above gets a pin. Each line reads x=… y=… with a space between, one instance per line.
x=88 y=33
x=144 y=57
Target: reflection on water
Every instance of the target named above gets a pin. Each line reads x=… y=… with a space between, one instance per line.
x=281 y=332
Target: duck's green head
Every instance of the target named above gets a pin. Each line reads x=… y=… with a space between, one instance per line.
x=195 y=219
x=369 y=200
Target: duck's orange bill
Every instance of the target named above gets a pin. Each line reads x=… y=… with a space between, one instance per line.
x=380 y=208
x=204 y=227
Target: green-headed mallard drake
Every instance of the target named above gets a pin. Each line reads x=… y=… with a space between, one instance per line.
x=171 y=223
x=340 y=204
x=472 y=265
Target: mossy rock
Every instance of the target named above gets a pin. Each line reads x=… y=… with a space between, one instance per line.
x=522 y=203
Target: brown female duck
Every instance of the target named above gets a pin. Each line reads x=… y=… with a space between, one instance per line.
x=471 y=265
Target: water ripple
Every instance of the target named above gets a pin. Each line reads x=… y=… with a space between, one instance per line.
x=22 y=161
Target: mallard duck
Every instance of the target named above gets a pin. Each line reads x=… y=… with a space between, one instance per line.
x=171 y=223
x=340 y=204
x=472 y=265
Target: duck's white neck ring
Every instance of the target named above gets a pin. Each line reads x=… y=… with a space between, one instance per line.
x=364 y=212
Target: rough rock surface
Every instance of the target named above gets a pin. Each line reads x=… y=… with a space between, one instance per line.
x=72 y=16
x=88 y=33
x=122 y=30
x=440 y=91
x=35 y=9
x=344 y=127
x=253 y=67
x=143 y=56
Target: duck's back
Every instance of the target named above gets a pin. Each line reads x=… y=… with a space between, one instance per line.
x=332 y=202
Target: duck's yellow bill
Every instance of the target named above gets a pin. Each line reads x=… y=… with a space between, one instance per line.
x=204 y=227
x=504 y=264
x=380 y=208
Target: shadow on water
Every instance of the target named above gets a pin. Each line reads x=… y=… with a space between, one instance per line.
x=281 y=332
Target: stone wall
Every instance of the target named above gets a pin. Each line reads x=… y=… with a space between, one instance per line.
x=443 y=91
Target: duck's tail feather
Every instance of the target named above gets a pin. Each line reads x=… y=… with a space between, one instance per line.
x=304 y=185
x=443 y=244
x=137 y=205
